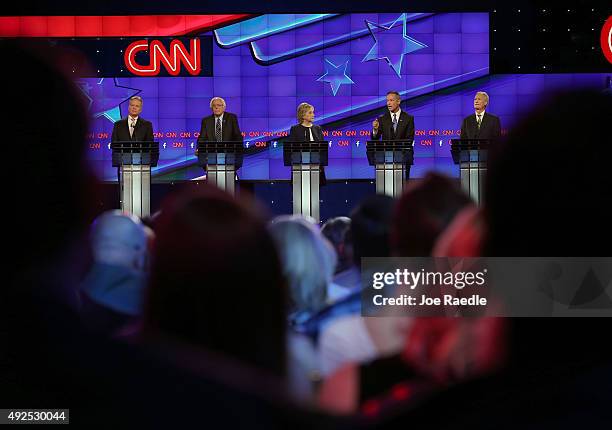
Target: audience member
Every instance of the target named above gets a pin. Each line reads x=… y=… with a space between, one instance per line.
x=216 y=279
x=423 y=212
x=113 y=290
x=308 y=262
x=336 y=231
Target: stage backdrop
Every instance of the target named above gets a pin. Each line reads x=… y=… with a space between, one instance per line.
x=264 y=66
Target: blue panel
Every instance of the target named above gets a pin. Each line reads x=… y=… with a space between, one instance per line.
x=263 y=26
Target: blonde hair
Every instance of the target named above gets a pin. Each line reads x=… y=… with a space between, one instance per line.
x=301 y=111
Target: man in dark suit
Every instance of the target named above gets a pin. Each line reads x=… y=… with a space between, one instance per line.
x=221 y=125
x=481 y=125
x=133 y=128
x=395 y=124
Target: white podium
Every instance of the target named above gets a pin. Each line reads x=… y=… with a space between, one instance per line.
x=134 y=160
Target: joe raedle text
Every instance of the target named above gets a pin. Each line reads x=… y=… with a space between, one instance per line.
x=428 y=288
x=424 y=300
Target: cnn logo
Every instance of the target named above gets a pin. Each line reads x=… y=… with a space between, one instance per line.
x=171 y=60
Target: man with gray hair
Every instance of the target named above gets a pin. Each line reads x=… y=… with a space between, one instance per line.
x=221 y=125
x=133 y=127
x=481 y=125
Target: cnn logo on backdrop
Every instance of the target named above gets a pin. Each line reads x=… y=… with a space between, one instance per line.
x=606 y=39
x=171 y=60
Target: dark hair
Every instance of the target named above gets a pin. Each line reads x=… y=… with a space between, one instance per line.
x=216 y=279
x=336 y=230
x=395 y=93
x=548 y=194
x=45 y=123
x=548 y=186
x=370 y=225
x=423 y=212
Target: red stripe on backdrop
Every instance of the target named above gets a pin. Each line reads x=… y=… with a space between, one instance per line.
x=112 y=26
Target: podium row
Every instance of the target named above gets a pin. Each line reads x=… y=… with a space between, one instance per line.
x=391 y=159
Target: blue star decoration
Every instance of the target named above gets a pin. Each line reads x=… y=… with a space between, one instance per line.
x=335 y=75
x=105 y=96
x=391 y=43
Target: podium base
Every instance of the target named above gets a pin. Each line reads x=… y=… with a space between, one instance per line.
x=135 y=184
x=306 y=182
x=223 y=176
x=390 y=178
x=472 y=179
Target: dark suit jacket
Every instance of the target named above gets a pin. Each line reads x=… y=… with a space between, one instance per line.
x=230 y=131
x=300 y=133
x=405 y=127
x=143 y=132
x=490 y=127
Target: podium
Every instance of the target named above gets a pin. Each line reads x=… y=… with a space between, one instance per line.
x=306 y=159
x=134 y=160
x=471 y=156
x=392 y=160
x=221 y=160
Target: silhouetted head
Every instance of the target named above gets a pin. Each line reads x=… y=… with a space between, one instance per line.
x=370 y=226
x=548 y=186
x=50 y=186
x=423 y=212
x=548 y=194
x=336 y=230
x=216 y=279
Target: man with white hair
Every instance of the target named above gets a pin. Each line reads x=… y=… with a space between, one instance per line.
x=482 y=124
x=133 y=127
x=221 y=125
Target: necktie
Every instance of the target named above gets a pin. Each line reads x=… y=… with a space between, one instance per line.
x=479 y=120
x=394 y=123
x=132 y=125
x=218 y=130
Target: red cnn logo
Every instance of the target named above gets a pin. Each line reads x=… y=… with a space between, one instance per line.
x=606 y=39
x=192 y=61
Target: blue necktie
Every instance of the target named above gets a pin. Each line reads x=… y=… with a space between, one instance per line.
x=394 y=123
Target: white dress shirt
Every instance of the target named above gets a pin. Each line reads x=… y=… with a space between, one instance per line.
x=132 y=120
x=311 y=138
x=397 y=115
x=481 y=116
